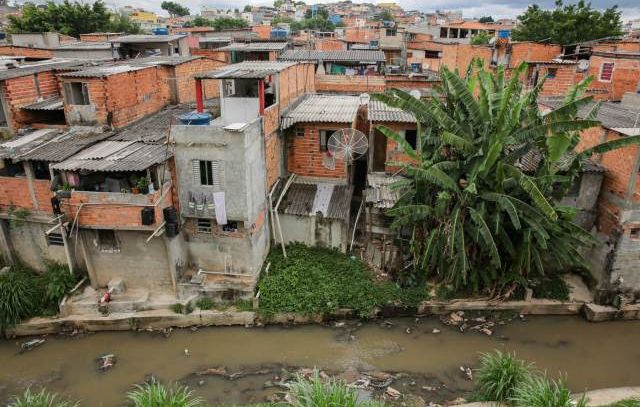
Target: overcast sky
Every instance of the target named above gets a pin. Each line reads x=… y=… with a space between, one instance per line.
x=476 y=8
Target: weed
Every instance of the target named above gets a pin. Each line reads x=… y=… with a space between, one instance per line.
x=633 y=402
x=315 y=392
x=552 y=287
x=177 y=308
x=205 y=303
x=41 y=399
x=154 y=394
x=19 y=297
x=244 y=305
x=499 y=375
x=539 y=391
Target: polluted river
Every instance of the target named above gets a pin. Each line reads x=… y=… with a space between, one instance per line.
x=232 y=365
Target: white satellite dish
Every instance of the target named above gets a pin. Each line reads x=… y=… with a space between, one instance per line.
x=583 y=65
x=347 y=144
x=416 y=94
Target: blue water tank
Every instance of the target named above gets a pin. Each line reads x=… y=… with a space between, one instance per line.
x=160 y=31
x=504 y=33
x=195 y=119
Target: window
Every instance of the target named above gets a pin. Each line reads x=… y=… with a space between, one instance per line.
x=551 y=73
x=412 y=138
x=231 y=226
x=391 y=32
x=634 y=233
x=431 y=54
x=77 y=93
x=203 y=226
x=299 y=131
x=55 y=239
x=324 y=138
x=107 y=241
x=209 y=173
x=606 y=71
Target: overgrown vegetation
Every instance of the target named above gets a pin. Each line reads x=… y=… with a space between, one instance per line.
x=316 y=392
x=205 y=303
x=25 y=293
x=43 y=398
x=70 y=18
x=632 y=402
x=314 y=281
x=568 y=24
x=482 y=38
x=503 y=378
x=219 y=24
x=477 y=218
x=155 y=394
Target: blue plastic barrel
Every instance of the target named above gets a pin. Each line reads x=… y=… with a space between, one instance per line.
x=195 y=119
x=160 y=31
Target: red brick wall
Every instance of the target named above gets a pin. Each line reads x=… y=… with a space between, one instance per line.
x=94 y=37
x=459 y=56
x=271 y=119
x=393 y=154
x=405 y=81
x=350 y=83
x=627 y=46
x=263 y=31
x=328 y=44
x=566 y=76
x=532 y=51
x=305 y=157
x=626 y=77
x=11 y=50
x=22 y=91
x=185 y=83
x=216 y=55
x=14 y=192
x=273 y=149
x=294 y=82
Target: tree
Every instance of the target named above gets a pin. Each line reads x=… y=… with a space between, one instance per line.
x=226 y=23
x=320 y=13
x=248 y=8
x=386 y=15
x=200 y=21
x=278 y=3
x=482 y=38
x=123 y=24
x=174 y=9
x=567 y=24
x=477 y=219
x=69 y=18
x=486 y=19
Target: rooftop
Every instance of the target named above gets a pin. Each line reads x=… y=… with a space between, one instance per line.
x=255 y=46
x=53 y=103
x=30 y=69
x=324 y=109
x=333 y=201
x=84 y=45
x=360 y=56
x=24 y=143
x=247 y=69
x=63 y=146
x=104 y=70
x=145 y=38
x=381 y=112
x=153 y=129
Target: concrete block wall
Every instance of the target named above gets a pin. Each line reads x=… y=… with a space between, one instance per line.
x=30 y=246
x=304 y=155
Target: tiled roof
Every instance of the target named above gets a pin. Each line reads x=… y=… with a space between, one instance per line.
x=255 y=46
x=323 y=109
x=360 y=56
x=333 y=201
x=142 y=38
x=381 y=112
x=248 y=69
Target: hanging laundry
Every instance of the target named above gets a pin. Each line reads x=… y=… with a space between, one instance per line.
x=221 y=213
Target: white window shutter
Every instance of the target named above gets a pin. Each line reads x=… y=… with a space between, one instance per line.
x=217 y=169
x=196 y=171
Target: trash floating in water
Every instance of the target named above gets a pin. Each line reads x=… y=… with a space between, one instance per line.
x=106 y=362
x=31 y=344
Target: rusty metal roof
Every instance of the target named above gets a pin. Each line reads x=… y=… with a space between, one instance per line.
x=353 y=55
x=54 y=103
x=333 y=201
x=381 y=112
x=323 y=109
x=117 y=156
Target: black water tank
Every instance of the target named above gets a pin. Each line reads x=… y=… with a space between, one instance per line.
x=170 y=214
x=148 y=215
x=171 y=229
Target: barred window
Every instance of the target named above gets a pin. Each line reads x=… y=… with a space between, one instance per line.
x=203 y=225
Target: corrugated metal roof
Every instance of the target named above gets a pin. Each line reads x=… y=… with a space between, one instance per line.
x=364 y=47
x=64 y=146
x=381 y=112
x=323 y=109
x=142 y=38
x=134 y=156
x=307 y=199
x=380 y=191
x=611 y=115
x=551 y=62
x=102 y=150
x=23 y=144
x=359 y=56
x=255 y=46
x=84 y=45
x=30 y=69
x=248 y=70
x=54 y=103
x=105 y=70
x=163 y=60
x=152 y=129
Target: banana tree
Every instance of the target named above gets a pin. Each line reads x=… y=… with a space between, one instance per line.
x=477 y=219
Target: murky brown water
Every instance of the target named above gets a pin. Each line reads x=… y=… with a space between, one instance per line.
x=592 y=356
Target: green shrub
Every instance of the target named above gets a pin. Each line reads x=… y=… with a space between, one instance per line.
x=552 y=287
x=539 y=391
x=204 y=303
x=317 y=393
x=499 y=375
x=312 y=280
x=40 y=399
x=188 y=308
x=244 y=305
x=154 y=394
x=55 y=284
x=19 y=297
x=633 y=402
x=177 y=308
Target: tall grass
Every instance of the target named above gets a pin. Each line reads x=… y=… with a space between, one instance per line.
x=315 y=392
x=154 y=394
x=41 y=399
x=19 y=297
x=499 y=375
x=540 y=391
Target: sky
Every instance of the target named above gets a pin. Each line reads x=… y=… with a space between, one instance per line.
x=476 y=8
